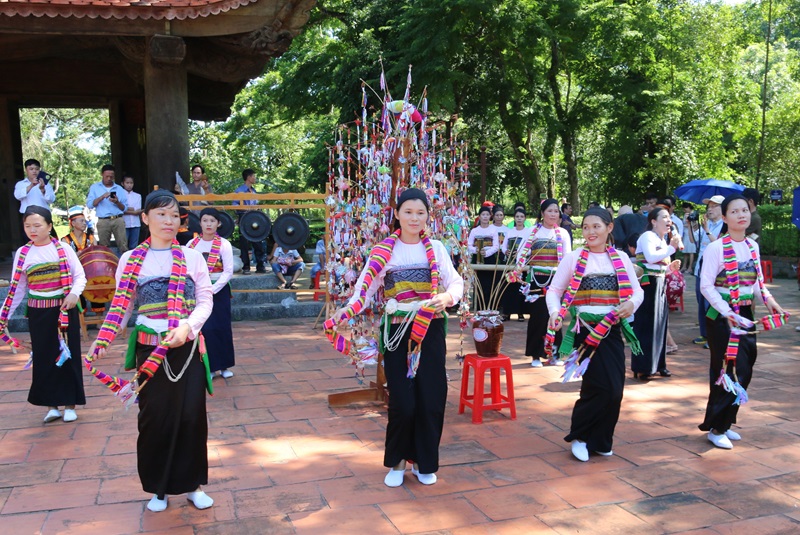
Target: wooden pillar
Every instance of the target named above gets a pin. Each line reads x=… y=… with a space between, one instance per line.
x=126 y=125
x=166 y=110
x=10 y=172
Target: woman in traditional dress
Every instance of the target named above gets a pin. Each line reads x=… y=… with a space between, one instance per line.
x=732 y=282
x=513 y=300
x=171 y=290
x=483 y=243
x=598 y=286
x=545 y=247
x=498 y=215
x=418 y=282
x=80 y=237
x=217 y=331
x=50 y=278
x=653 y=255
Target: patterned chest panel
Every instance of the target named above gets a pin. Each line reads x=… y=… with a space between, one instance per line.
x=217 y=267
x=747 y=275
x=408 y=283
x=598 y=290
x=544 y=253
x=151 y=296
x=45 y=277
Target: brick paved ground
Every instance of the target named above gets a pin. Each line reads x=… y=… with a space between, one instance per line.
x=282 y=461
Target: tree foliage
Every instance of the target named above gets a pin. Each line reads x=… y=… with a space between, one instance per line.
x=582 y=99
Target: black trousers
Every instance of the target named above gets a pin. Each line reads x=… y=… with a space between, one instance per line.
x=720 y=411
x=258 y=251
x=416 y=406
x=596 y=412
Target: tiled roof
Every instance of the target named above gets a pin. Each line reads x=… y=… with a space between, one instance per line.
x=120 y=9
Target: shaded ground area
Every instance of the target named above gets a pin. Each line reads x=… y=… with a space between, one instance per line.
x=284 y=462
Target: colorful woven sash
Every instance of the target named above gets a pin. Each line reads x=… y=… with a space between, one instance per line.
x=733 y=283
x=731 y=263
x=380 y=255
x=66 y=286
x=525 y=253
x=213 y=255
x=121 y=303
x=623 y=281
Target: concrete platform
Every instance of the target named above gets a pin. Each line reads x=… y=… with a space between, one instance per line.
x=283 y=462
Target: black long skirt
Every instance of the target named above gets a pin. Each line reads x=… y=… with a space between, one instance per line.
x=596 y=412
x=513 y=301
x=650 y=325
x=537 y=324
x=416 y=406
x=173 y=430
x=53 y=386
x=218 y=333
x=720 y=410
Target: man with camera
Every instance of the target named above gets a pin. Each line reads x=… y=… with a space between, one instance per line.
x=710 y=228
x=34 y=189
x=109 y=200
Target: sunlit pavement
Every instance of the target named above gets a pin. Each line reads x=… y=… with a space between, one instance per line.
x=283 y=461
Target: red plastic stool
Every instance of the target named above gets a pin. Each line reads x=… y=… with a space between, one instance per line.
x=475 y=401
x=766 y=270
x=317 y=278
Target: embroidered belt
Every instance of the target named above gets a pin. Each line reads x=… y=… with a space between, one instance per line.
x=45 y=303
x=147 y=339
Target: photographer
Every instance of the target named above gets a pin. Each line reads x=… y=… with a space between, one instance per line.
x=710 y=226
x=33 y=190
x=110 y=200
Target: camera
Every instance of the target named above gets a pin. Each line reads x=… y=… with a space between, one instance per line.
x=693 y=216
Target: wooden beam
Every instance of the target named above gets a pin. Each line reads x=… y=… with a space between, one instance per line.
x=245 y=19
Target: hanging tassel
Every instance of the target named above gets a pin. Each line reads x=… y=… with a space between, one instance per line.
x=29 y=363
x=582 y=367
x=413 y=363
x=64 y=354
x=570 y=365
x=741 y=394
x=127 y=395
x=724 y=380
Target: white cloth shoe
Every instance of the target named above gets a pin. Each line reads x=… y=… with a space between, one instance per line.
x=52 y=414
x=579 y=450
x=720 y=441
x=157 y=505
x=226 y=374
x=200 y=499
x=730 y=433
x=605 y=453
x=536 y=363
x=425 y=479
x=394 y=478
x=70 y=415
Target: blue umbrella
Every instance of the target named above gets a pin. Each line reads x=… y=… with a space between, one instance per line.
x=697 y=190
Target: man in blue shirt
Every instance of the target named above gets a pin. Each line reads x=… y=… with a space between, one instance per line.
x=249 y=177
x=109 y=200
